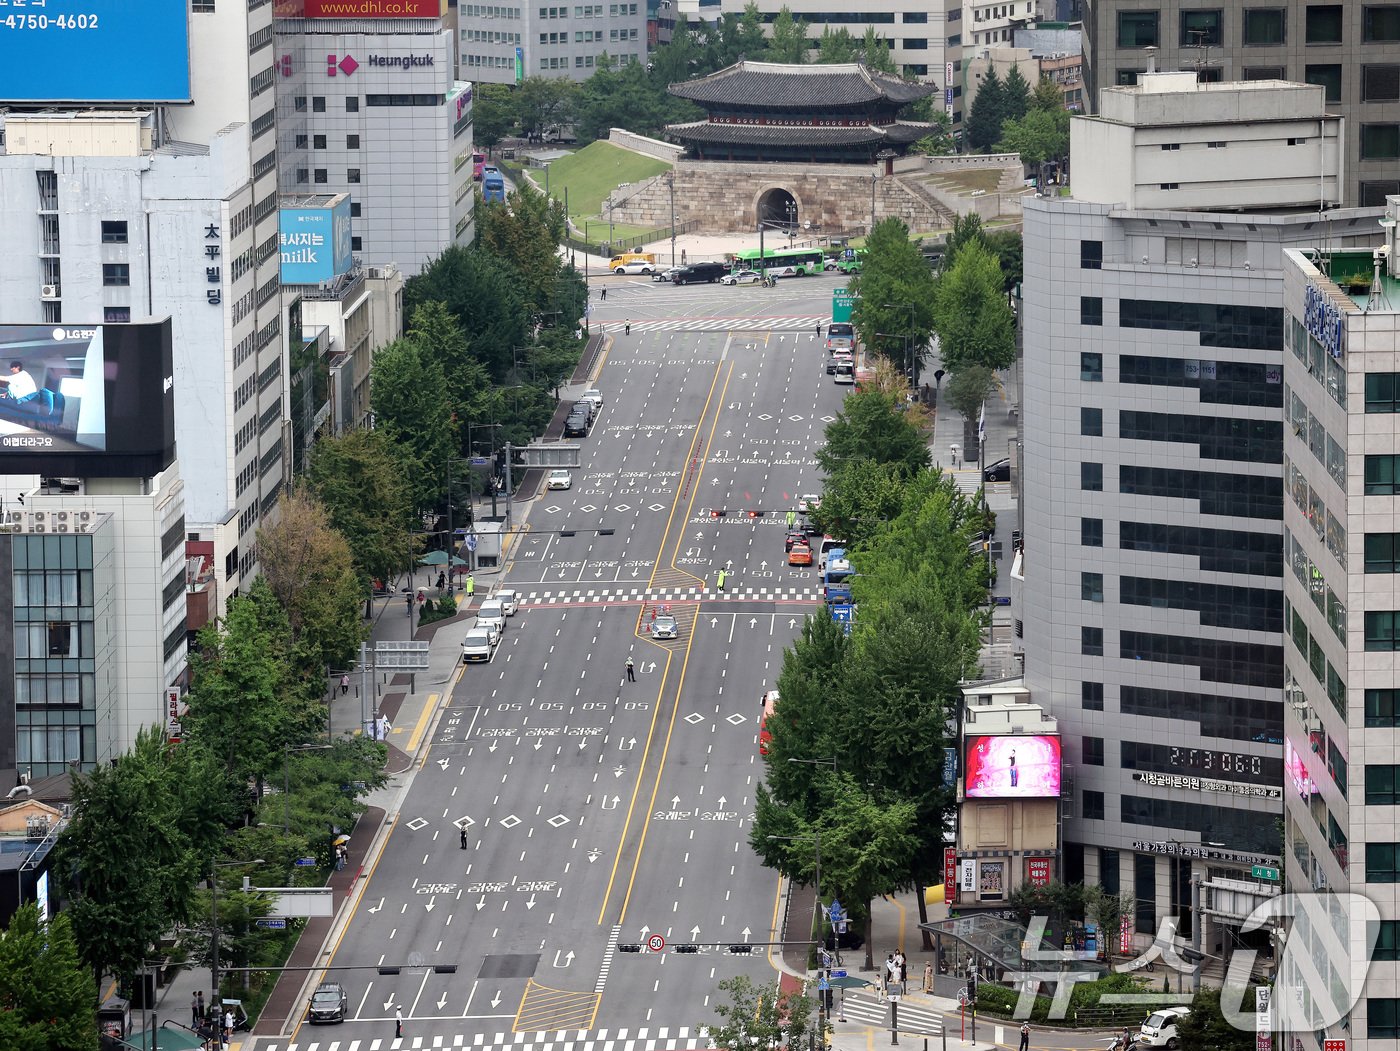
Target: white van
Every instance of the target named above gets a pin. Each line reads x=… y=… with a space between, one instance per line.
x=479 y=645
x=1159 y=1029
x=492 y=614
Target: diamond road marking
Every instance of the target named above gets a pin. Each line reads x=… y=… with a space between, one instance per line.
x=736 y=719
x=827 y=419
x=557 y=820
x=764 y=416
x=554 y=509
x=588 y=507
x=509 y=821
x=656 y=507
x=694 y=717
x=464 y=822
x=416 y=823
x=796 y=419
x=622 y=507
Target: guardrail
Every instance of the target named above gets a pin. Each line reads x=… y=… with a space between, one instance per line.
x=626 y=244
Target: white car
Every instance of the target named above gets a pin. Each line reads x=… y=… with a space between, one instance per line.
x=492 y=614
x=808 y=502
x=742 y=277
x=560 y=478
x=594 y=396
x=665 y=627
x=634 y=268
x=479 y=645
x=667 y=274
x=1159 y=1029
x=508 y=599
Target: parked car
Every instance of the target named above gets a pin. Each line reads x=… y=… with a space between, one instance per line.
x=1159 y=1028
x=492 y=614
x=576 y=426
x=594 y=397
x=997 y=472
x=328 y=1003
x=560 y=478
x=741 y=277
x=665 y=627
x=835 y=363
x=808 y=502
x=508 y=599
x=634 y=268
x=669 y=274
x=479 y=645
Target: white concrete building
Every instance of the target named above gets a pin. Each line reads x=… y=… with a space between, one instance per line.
x=1341 y=527
x=993 y=24
x=504 y=44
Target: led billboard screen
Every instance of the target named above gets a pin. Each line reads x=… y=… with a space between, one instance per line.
x=1026 y=767
x=86 y=402
x=95 y=51
x=314 y=242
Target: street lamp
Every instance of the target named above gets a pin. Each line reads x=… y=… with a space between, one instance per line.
x=671 y=185
x=791 y=221
x=214 y=889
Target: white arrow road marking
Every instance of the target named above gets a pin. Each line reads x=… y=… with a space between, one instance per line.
x=496 y=1000
x=431 y=900
x=568 y=959
x=531 y=903
x=695 y=933
x=376 y=908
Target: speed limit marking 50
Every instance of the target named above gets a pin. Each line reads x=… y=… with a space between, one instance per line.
x=656 y=943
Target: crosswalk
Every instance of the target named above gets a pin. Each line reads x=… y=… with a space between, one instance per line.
x=913 y=1018
x=565 y=596
x=664 y=1038
x=777 y=323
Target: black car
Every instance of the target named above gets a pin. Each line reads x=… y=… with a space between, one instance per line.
x=697 y=273
x=328 y=1003
x=997 y=472
x=576 y=426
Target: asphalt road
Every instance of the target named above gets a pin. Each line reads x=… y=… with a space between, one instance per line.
x=600 y=812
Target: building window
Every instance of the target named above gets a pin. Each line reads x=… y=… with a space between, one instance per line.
x=1091 y=696
x=318 y=142
x=1383 y=866
x=1090 y=255
x=1383 y=552
x=1380 y=83
x=1126 y=78
x=1091 y=422
x=1373 y=194
x=303 y=174
x=1145 y=889
x=352 y=175
x=1380 y=23
x=1091 y=310
x=1265 y=73
x=1382 y=388
x=1091 y=532
x=1138 y=29
x=116 y=274
x=1386 y=939
x=352 y=142
x=1109 y=875
x=1264 y=25
x=1091 y=367
x=301 y=142
x=318 y=104
x=1380 y=631
x=1382 y=785
x=1091 y=641
x=1323 y=24
x=1093 y=805
x=354 y=244
x=1093 y=751
x=354 y=209
x=1201 y=29
x=352 y=104
x=116 y=315
x=1382 y=709
x=1330 y=77
x=1091 y=587
x=1380 y=475
x=319 y=175
x=1091 y=477
x=114 y=231
x=1382 y=1013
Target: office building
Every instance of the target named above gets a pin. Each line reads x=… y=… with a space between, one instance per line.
x=505 y=44
x=1151 y=578
x=369 y=106
x=1341 y=601
x=1351 y=49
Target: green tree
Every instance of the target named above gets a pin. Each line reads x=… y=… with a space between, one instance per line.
x=1008 y=248
x=1205 y=1026
x=975 y=324
x=742 y=37
x=48 y=995
x=875 y=52
x=437 y=334
x=968 y=388
x=859 y=497
x=526 y=235
x=309 y=568
x=493 y=113
x=837 y=46
x=869 y=428
x=1047 y=95
x=359 y=479
x=939 y=142
x=1060 y=904
x=1108 y=911
x=753 y=1017
x=896 y=290
x=1015 y=94
x=966 y=228
x=789 y=40
x=1041 y=135
x=483 y=293
x=541 y=102
x=988 y=112
x=408 y=394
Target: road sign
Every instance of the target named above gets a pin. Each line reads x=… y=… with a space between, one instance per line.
x=823 y=984
x=1265 y=872
x=471 y=541
x=962 y=997
x=306 y=862
x=271 y=924
x=842 y=612
x=480 y=461
x=894 y=991
x=656 y=943
x=840 y=972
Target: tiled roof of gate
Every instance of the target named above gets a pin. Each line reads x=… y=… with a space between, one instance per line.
x=780 y=85
x=702 y=131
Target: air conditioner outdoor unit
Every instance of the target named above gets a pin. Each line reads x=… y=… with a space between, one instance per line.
x=62 y=516
x=48 y=292
x=40 y=516
x=61 y=528
x=14 y=516
x=84 y=516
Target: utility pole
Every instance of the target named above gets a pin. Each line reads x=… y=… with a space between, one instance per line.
x=509 y=494
x=671 y=184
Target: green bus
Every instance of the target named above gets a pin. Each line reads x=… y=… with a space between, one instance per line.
x=781 y=262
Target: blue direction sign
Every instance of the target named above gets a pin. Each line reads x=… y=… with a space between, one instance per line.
x=837 y=912
x=842 y=612
x=480 y=461
x=272 y=924
x=840 y=972
x=471 y=542
x=306 y=862
x=950 y=767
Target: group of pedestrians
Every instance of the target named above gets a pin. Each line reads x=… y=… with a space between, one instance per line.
x=214 y=1028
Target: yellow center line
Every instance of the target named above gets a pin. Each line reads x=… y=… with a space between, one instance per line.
x=699 y=471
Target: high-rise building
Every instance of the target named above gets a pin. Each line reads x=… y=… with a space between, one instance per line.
x=1351 y=49
x=369 y=106
x=1152 y=577
x=1341 y=603
x=504 y=44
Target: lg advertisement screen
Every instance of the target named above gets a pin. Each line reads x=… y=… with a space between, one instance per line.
x=86 y=401
x=1021 y=767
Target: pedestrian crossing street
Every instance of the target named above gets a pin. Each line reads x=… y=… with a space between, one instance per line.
x=622 y=593
x=868 y=1010
x=679 y=1038
x=736 y=324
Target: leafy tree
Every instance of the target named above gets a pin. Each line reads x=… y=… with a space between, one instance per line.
x=837 y=46
x=755 y=1019
x=437 y=334
x=1108 y=910
x=1008 y=248
x=309 y=568
x=1205 y=1026
x=789 y=40
x=359 y=479
x=526 y=235
x=48 y=995
x=974 y=322
x=869 y=429
x=1016 y=94
x=896 y=290
x=493 y=113
x=626 y=96
x=988 y=112
x=1047 y=95
x=1041 y=135
x=408 y=394
x=483 y=293
x=859 y=497
x=742 y=37
x=940 y=142
x=968 y=388
x=875 y=52
x=966 y=228
x=543 y=101
x=1060 y=903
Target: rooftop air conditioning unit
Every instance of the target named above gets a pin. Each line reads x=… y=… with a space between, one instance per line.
x=48 y=292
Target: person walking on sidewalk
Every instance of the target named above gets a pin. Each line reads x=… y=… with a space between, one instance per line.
x=398 y=1023
x=344 y=684
x=1025 y=1036
x=631 y=674
x=928 y=977
x=195 y=1011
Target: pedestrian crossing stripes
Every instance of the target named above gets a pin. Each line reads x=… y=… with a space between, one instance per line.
x=681 y=1038
x=732 y=324
x=573 y=596
x=876 y=1013
x=969 y=480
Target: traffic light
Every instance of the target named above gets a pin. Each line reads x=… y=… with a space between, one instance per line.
x=741 y=950
x=629 y=948
x=685 y=949
x=972 y=987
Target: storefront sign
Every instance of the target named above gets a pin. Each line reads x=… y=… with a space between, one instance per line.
x=1038 y=872
x=967 y=876
x=1205 y=853
x=172 y=714
x=1263 y=1018
x=950 y=875
x=1207 y=784
x=1323 y=320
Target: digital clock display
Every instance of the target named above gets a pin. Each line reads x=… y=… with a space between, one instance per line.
x=1209 y=761
x=1219 y=764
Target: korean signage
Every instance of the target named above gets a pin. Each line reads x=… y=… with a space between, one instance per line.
x=213 y=270
x=1207 y=784
x=172 y=713
x=1263 y=1018
x=950 y=876
x=363 y=9
x=948 y=89
x=1205 y=853
x=519 y=64
x=1323 y=320
x=1038 y=872
x=315 y=242
x=967 y=876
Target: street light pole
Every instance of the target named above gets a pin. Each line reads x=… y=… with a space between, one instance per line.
x=872 y=203
x=671 y=185
x=214 y=890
